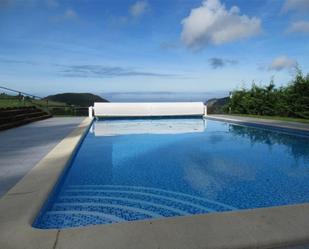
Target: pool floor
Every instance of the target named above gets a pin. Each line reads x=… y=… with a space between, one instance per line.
x=139 y=169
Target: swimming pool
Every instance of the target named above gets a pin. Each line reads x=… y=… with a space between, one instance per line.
x=139 y=169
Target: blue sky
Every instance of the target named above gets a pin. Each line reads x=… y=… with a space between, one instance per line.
x=50 y=46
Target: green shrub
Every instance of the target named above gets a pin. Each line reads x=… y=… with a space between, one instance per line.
x=289 y=101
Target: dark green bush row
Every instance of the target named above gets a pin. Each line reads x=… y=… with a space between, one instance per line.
x=287 y=101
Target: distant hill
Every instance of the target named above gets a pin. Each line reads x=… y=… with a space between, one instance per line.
x=216 y=106
x=78 y=99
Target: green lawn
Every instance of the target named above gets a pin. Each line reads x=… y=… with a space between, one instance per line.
x=14 y=102
x=54 y=107
x=299 y=120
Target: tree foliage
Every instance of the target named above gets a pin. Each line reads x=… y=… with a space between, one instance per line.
x=286 y=101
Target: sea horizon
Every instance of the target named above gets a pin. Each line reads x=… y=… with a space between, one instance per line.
x=161 y=96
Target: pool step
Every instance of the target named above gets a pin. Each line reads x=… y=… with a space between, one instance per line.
x=101 y=204
x=146 y=191
x=12 y=117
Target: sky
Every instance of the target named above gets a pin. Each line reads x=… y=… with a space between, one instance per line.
x=101 y=46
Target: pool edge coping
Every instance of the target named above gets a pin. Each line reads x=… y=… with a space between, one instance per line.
x=263 y=228
x=263 y=123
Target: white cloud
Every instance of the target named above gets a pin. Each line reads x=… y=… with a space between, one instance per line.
x=212 y=23
x=295 y=5
x=139 y=8
x=299 y=27
x=282 y=62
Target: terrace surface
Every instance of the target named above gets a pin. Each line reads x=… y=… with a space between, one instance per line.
x=261 y=121
x=23 y=147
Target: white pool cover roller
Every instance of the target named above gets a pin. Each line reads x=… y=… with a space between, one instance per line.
x=148 y=109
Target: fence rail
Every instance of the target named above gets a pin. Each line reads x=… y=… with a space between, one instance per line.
x=20 y=92
x=15 y=98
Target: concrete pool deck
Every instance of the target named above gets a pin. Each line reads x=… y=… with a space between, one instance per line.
x=21 y=148
x=264 y=122
x=276 y=227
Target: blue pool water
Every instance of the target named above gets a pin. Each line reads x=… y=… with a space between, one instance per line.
x=140 y=169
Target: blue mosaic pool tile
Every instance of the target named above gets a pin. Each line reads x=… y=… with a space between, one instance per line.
x=210 y=167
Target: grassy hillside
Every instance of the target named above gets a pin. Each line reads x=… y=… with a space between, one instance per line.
x=16 y=101
x=77 y=99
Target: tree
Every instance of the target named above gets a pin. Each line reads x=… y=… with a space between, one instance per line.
x=291 y=100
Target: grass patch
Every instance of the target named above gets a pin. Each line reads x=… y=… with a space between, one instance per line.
x=298 y=120
x=55 y=108
x=4 y=103
x=14 y=102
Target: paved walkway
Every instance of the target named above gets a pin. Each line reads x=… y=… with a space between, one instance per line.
x=23 y=147
x=269 y=122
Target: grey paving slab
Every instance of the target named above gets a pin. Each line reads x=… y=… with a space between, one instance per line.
x=269 y=122
x=23 y=147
